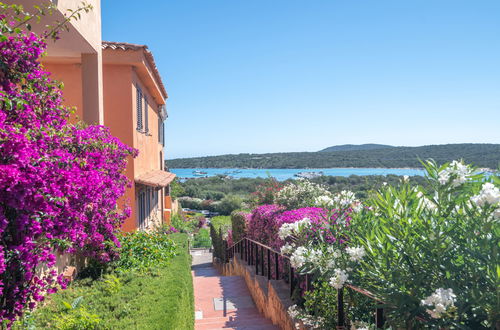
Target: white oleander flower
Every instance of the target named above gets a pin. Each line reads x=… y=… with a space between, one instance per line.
x=441 y=299
x=345 y=198
x=330 y=264
x=338 y=280
x=444 y=176
x=290 y=229
x=298 y=257
x=293 y=311
x=315 y=256
x=357 y=207
x=286 y=230
x=426 y=203
x=287 y=249
x=336 y=253
x=496 y=213
x=356 y=253
x=406 y=178
x=324 y=201
x=459 y=170
x=489 y=195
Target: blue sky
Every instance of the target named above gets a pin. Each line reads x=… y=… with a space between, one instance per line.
x=275 y=76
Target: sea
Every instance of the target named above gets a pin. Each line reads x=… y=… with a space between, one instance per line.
x=282 y=174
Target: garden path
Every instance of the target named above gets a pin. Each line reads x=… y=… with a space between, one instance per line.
x=223 y=302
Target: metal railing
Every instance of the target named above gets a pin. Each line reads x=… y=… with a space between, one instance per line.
x=276 y=266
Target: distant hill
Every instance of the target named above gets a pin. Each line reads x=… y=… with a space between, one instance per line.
x=481 y=155
x=352 y=147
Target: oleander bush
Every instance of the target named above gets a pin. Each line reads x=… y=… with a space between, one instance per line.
x=300 y=193
x=430 y=254
x=434 y=252
x=266 y=192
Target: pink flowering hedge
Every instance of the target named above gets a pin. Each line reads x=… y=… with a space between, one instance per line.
x=265 y=221
x=59 y=183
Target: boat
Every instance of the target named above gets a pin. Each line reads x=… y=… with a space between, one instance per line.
x=309 y=175
x=199 y=173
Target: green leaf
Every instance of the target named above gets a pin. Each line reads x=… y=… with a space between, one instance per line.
x=67 y=305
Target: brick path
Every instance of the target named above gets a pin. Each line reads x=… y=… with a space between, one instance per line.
x=223 y=302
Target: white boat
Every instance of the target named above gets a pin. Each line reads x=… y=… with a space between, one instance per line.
x=309 y=175
x=199 y=173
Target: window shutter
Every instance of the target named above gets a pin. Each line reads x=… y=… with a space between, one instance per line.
x=146 y=128
x=159 y=129
x=163 y=133
x=139 y=108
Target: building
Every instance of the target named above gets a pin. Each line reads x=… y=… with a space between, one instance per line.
x=134 y=103
x=76 y=58
x=116 y=85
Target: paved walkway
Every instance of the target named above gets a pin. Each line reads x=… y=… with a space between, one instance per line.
x=223 y=302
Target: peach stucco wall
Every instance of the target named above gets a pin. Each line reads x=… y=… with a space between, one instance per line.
x=117 y=116
x=147 y=144
x=120 y=116
x=70 y=76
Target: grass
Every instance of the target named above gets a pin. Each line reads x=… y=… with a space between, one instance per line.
x=158 y=299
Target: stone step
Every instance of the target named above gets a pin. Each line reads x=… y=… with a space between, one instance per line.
x=232 y=319
x=226 y=324
x=235 y=313
x=243 y=327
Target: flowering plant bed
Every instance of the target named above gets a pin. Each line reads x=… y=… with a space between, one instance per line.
x=158 y=298
x=427 y=256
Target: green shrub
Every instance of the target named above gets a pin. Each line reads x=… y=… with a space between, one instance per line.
x=229 y=204
x=74 y=316
x=158 y=299
x=214 y=195
x=222 y=221
x=239 y=222
x=184 y=223
x=219 y=249
x=176 y=189
x=202 y=239
x=191 y=203
x=142 y=250
x=78 y=319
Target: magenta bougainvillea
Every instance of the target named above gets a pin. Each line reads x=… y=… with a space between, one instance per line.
x=263 y=225
x=265 y=221
x=59 y=183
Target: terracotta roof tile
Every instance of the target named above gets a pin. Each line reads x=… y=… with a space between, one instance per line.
x=149 y=56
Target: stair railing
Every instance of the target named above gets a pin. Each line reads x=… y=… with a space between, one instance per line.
x=272 y=264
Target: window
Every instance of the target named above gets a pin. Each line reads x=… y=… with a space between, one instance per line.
x=139 y=107
x=146 y=203
x=146 y=128
x=141 y=212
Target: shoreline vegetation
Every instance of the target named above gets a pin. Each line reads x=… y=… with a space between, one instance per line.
x=483 y=156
